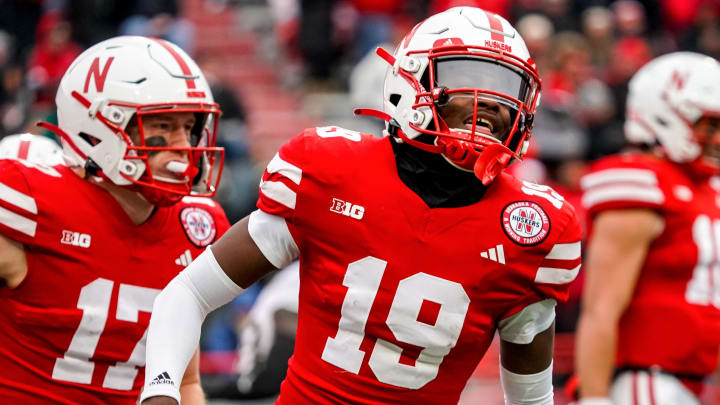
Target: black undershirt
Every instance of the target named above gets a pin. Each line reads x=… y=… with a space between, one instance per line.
x=435 y=180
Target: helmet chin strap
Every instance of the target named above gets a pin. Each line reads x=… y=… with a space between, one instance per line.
x=158 y=198
x=491 y=161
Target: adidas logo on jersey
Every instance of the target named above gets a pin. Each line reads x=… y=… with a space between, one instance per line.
x=75 y=239
x=496 y=254
x=162 y=378
x=347 y=208
x=185 y=259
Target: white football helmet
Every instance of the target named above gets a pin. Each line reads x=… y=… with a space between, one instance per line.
x=469 y=52
x=33 y=148
x=667 y=97
x=131 y=77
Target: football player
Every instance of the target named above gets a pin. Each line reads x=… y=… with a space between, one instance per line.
x=650 y=327
x=414 y=248
x=85 y=248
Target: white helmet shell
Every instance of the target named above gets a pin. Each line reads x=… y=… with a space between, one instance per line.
x=667 y=96
x=110 y=83
x=470 y=26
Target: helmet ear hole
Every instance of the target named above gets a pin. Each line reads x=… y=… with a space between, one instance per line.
x=395 y=99
x=91 y=140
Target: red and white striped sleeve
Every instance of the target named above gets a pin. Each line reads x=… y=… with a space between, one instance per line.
x=621 y=187
x=548 y=281
x=279 y=186
x=18 y=209
x=282 y=177
x=561 y=264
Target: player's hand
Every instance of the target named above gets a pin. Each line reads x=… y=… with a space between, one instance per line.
x=159 y=401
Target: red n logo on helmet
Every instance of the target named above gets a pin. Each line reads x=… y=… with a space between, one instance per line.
x=94 y=72
x=678 y=80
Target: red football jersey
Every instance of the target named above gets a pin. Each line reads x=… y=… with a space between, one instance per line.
x=74 y=329
x=399 y=302
x=672 y=320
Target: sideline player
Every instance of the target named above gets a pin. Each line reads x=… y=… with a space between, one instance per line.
x=84 y=249
x=33 y=148
x=414 y=248
x=652 y=293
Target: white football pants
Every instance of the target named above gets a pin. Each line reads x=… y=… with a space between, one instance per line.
x=650 y=388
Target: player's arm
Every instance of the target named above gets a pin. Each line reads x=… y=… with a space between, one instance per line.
x=617 y=250
x=214 y=278
x=526 y=350
x=13 y=265
x=190 y=388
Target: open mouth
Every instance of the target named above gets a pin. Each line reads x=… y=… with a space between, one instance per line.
x=483 y=125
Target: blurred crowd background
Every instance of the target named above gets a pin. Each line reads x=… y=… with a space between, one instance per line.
x=278 y=66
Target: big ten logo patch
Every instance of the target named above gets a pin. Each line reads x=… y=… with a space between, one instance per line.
x=347 y=208
x=75 y=239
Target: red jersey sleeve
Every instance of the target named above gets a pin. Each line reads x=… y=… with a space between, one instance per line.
x=282 y=177
x=561 y=264
x=18 y=209
x=556 y=262
x=619 y=182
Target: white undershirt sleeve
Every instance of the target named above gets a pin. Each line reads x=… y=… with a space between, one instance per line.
x=272 y=236
x=178 y=313
x=522 y=327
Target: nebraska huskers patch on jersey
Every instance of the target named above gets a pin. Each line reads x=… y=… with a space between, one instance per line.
x=199 y=226
x=525 y=222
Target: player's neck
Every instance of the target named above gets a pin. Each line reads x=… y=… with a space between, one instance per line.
x=434 y=180
x=135 y=206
